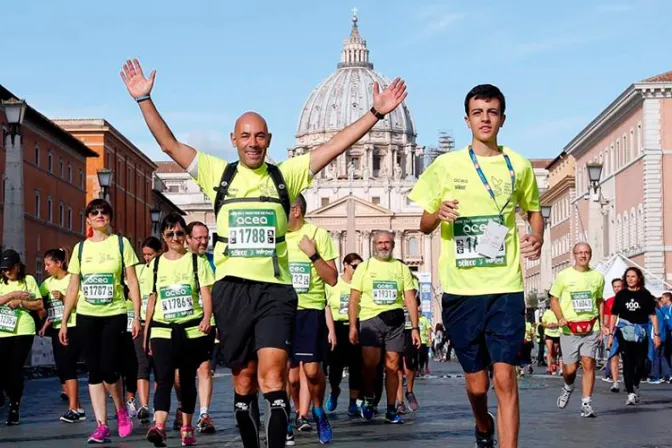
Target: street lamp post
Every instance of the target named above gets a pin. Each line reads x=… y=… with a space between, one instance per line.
x=104 y=180
x=14 y=205
x=594 y=175
x=598 y=212
x=546 y=262
x=155 y=215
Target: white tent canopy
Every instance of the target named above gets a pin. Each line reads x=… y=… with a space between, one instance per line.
x=615 y=266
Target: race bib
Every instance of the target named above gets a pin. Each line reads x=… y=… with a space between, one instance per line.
x=176 y=301
x=9 y=319
x=251 y=233
x=98 y=289
x=407 y=317
x=467 y=234
x=300 y=276
x=582 y=302
x=384 y=292
x=55 y=311
x=344 y=304
x=130 y=317
x=145 y=302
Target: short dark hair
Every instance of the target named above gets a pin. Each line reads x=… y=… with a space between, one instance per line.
x=172 y=220
x=667 y=294
x=153 y=243
x=616 y=280
x=58 y=255
x=348 y=259
x=485 y=92
x=640 y=276
x=300 y=202
x=193 y=224
x=99 y=204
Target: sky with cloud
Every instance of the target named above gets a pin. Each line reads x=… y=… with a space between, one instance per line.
x=558 y=63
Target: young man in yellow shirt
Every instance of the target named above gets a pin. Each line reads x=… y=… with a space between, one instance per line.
x=253 y=298
x=472 y=196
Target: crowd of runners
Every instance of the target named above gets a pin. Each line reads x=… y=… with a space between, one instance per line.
x=273 y=307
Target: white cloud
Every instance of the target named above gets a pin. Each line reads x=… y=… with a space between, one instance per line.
x=213 y=142
x=434 y=20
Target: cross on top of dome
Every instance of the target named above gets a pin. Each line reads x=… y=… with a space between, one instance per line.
x=355 y=53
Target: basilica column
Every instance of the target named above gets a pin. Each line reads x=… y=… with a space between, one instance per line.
x=366 y=244
x=408 y=151
x=336 y=236
x=393 y=162
x=398 y=241
x=341 y=161
x=369 y=158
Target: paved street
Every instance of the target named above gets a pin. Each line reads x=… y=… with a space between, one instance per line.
x=444 y=419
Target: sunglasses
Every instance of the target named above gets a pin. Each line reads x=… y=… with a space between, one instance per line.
x=354 y=265
x=177 y=234
x=98 y=211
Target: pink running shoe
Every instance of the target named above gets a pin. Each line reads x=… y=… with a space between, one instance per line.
x=124 y=423
x=100 y=435
x=187 y=433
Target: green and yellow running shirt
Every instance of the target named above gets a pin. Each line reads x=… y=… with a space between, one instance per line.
x=176 y=293
x=338 y=297
x=307 y=283
x=55 y=307
x=549 y=318
x=579 y=294
x=452 y=176
x=145 y=289
x=252 y=227
x=529 y=331
x=425 y=328
x=101 y=276
x=382 y=284
x=18 y=321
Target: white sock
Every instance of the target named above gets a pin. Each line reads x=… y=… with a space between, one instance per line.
x=585 y=400
x=204 y=410
x=569 y=387
x=80 y=411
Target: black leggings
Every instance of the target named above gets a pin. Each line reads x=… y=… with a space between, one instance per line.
x=634 y=356
x=13 y=353
x=410 y=358
x=102 y=340
x=66 y=356
x=423 y=356
x=345 y=354
x=186 y=358
x=144 y=364
x=129 y=363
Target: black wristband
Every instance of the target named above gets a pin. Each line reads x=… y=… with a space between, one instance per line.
x=140 y=99
x=315 y=257
x=376 y=114
x=415 y=328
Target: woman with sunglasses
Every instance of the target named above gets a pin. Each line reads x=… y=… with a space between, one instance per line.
x=97 y=269
x=19 y=296
x=53 y=290
x=345 y=354
x=177 y=329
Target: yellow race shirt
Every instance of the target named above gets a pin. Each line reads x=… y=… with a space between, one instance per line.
x=145 y=289
x=549 y=318
x=382 y=284
x=452 y=176
x=252 y=227
x=55 y=307
x=529 y=331
x=101 y=276
x=177 y=294
x=425 y=328
x=579 y=294
x=18 y=321
x=338 y=297
x=307 y=283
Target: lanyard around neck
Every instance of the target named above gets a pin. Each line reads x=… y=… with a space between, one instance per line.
x=485 y=182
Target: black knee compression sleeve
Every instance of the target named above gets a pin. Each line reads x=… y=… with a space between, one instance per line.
x=244 y=409
x=277 y=418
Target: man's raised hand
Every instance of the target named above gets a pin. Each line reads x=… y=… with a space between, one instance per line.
x=388 y=100
x=135 y=80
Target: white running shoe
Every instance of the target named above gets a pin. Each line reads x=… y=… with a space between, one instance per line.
x=563 y=399
x=587 y=410
x=615 y=388
x=632 y=400
x=130 y=407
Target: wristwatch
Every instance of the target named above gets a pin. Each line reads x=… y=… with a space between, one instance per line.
x=315 y=257
x=377 y=114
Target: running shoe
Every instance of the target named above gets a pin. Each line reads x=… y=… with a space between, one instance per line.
x=487 y=439
x=81 y=414
x=614 y=387
x=131 y=408
x=606 y=379
x=100 y=435
x=367 y=410
x=71 y=416
x=353 y=409
x=324 y=431
x=332 y=401
x=412 y=401
x=13 y=417
x=124 y=423
x=393 y=418
x=303 y=424
x=205 y=424
x=631 y=400
x=401 y=408
x=143 y=414
x=177 y=424
x=289 y=438
x=157 y=436
x=587 y=410
x=655 y=381
x=563 y=399
x=187 y=435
